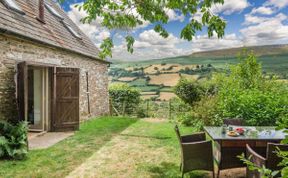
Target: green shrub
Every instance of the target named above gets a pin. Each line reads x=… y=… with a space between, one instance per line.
x=189 y=119
x=245 y=93
x=125 y=99
x=189 y=91
x=206 y=110
x=13 y=140
x=203 y=113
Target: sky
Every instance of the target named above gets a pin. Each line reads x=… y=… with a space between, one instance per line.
x=249 y=23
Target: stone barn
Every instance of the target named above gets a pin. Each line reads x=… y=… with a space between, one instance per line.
x=50 y=72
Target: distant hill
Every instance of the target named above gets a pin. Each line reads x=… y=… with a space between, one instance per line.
x=258 y=50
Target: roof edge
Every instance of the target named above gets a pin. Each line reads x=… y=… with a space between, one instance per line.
x=9 y=32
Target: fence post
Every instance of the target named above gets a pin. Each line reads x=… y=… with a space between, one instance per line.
x=169 y=109
x=110 y=107
x=147 y=114
x=124 y=107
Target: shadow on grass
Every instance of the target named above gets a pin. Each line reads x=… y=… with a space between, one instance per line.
x=171 y=170
x=62 y=158
x=144 y=136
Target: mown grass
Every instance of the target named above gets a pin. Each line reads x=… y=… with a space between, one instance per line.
x=148 y=148
x=60 y=159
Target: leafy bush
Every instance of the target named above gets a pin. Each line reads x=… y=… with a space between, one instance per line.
x=125 y=99
x=202 y=113
x=206 y=110
x=245 y=93
x=13 y=140
x=189 y=91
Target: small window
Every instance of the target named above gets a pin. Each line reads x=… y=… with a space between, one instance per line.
x=53 y=11
x=71 y=30
x=11 y=4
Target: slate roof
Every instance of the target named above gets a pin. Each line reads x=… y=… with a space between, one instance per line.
x=53 y=32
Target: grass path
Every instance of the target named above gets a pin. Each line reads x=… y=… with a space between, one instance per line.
x=145 y=149
x=108 y=147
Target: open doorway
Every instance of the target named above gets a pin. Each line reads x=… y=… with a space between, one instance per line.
x=48 y=96
x=38 y=98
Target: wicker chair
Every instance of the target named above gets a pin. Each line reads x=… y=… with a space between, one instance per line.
x=233 y=121
x=271 y=161
x=196 y=152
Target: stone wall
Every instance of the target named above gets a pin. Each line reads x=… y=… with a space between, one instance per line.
x=14 y=50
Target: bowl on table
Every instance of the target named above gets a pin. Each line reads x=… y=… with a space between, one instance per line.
x=240 y=130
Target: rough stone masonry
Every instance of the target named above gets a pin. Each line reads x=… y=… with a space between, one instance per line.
x=14 y=50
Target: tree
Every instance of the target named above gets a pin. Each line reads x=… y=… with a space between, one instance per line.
x=188 y=91
x=128 y=14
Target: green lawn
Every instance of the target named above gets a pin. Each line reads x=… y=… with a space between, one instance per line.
x=116 y=147
x=62 y=158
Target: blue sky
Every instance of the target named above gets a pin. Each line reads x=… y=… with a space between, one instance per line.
x=249 y=23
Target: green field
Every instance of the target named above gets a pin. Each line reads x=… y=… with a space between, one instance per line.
x=139 y=82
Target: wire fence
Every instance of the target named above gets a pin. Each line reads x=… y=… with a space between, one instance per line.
x=152 y=109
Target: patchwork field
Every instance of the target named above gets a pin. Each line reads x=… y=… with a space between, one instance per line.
x=166 y=96
x=160 y=75
x=164 y=79
x=191 y=77
x=127 y=79
x=166 y=68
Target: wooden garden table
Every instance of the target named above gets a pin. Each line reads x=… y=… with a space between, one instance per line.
x=227 y=148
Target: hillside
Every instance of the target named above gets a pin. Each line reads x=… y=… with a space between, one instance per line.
x=258 y=50
x=156 y=78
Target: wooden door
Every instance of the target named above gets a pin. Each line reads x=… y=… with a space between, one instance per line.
x=22 y=90
x=65 y=99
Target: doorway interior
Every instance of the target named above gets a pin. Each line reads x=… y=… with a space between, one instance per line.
x=39 y=94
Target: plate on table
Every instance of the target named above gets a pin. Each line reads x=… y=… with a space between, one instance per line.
x=232 y=134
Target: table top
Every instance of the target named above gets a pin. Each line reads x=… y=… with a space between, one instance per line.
x=254 y=133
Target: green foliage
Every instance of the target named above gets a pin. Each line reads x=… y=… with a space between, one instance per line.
x=125 y=99
x=130 y=42
x=206 y=111
x=13 y=140
x=189 y=91
x=245 y=93
x=126 y=15
x=106 y=47
x=203 y=113
x=265 y=173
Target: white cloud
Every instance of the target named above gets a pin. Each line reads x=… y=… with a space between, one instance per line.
x=276 y=3
x=269 y=30
x=173 y=16
x=262 y=10
x=203 y=43
x=151 y=45
x=230 y=6
x=251 y=19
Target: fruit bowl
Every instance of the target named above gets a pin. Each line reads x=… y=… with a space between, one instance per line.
x=240 y=131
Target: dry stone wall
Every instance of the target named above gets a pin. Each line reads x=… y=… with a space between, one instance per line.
x=14 y=50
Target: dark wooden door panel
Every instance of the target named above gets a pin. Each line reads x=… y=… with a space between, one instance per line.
x=22 y=90
x=66 y=99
